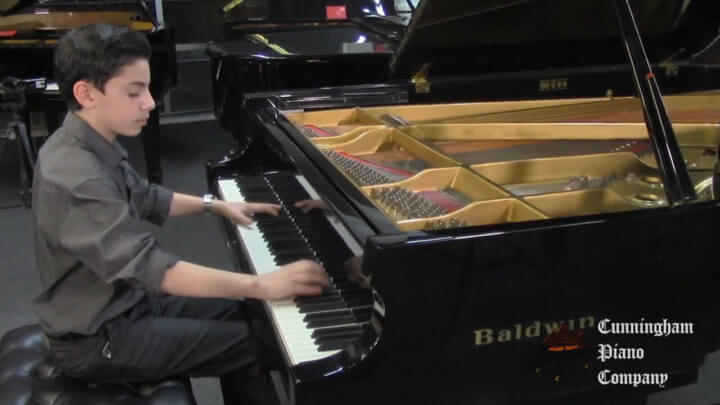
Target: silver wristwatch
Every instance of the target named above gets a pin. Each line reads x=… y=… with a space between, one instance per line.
x=207 y=203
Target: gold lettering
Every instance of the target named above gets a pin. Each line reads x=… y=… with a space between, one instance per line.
x=533 y=330
x=483 y=337
x=587 y=322
x=553 y=84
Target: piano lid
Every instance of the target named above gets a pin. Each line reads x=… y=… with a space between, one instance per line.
x=304 y=41
x=493 y=36
x=9 y=6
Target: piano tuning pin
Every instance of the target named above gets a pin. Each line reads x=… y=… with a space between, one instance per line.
x=610 y=178
x=309 y=133
x=576 y=183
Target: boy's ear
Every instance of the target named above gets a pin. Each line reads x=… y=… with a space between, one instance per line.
x=85 y=94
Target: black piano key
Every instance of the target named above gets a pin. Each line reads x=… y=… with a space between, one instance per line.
x=318 y=298
x=293 y=235
x=359 y=301
x=341 y=319
x=345 y=336
x=323 y=306
x=335 y=332
x=342 y=314
x=334 y=345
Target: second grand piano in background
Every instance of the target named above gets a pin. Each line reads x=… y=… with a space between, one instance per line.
x=292 y=45
x=494 y=236
x=29 y=32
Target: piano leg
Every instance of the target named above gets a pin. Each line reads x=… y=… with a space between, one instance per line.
x=152 y=146
x=249 y=386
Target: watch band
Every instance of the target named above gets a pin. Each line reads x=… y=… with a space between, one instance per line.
x=207 y=203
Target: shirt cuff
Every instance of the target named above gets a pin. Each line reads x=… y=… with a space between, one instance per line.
x=157 y=265
x=161 y=208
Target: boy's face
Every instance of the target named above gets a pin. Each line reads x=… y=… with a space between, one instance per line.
x=123 y=108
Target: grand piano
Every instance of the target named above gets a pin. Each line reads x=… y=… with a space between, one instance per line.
x=293 y=45
x=484 y=245
x=29 y=32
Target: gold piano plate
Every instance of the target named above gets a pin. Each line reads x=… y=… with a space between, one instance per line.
x=593 y=201
x=489 y=163
x=381 y=155
x=313 y=131
x=324 y=124
x=459 y=112
x=479 y=213
x=433 y=193
x=344 y=116
x=690 y=108
x=542 y=176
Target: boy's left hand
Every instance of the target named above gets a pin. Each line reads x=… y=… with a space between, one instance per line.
x=241 y=213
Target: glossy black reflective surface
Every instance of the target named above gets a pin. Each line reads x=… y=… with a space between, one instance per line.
x=468 y=36
x=466 y=312
x=311 y=41
x=261 y=57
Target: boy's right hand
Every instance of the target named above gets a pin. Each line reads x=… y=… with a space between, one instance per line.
x=303 y=277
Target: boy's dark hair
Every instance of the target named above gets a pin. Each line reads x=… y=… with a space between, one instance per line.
x=95 y=53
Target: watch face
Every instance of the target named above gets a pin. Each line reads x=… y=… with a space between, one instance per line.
x=207 y=203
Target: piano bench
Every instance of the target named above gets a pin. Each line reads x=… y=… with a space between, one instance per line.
x=27 y=377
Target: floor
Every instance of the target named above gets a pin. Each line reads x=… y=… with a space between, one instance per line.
x=197 y=239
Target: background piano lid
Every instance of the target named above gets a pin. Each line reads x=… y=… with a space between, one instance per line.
x=304 y=10
x=491 y=36
x=311 y=40
x=11 y=6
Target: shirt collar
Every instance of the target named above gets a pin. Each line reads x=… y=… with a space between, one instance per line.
x=111 y=153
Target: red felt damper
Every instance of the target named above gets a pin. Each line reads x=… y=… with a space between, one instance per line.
x=442 y=199
x=319 y=131
x=377 y=165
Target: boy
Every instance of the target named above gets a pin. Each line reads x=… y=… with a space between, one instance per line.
x=111 y=300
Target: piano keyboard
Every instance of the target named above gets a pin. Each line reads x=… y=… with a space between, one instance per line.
x=310 y=328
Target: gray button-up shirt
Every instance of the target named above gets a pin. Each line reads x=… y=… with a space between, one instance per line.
x=94 y=257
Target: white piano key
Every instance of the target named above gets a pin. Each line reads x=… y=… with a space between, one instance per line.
x=256 y=248
x=288 y=321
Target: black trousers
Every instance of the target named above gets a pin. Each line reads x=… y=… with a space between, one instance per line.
x=164 y=337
